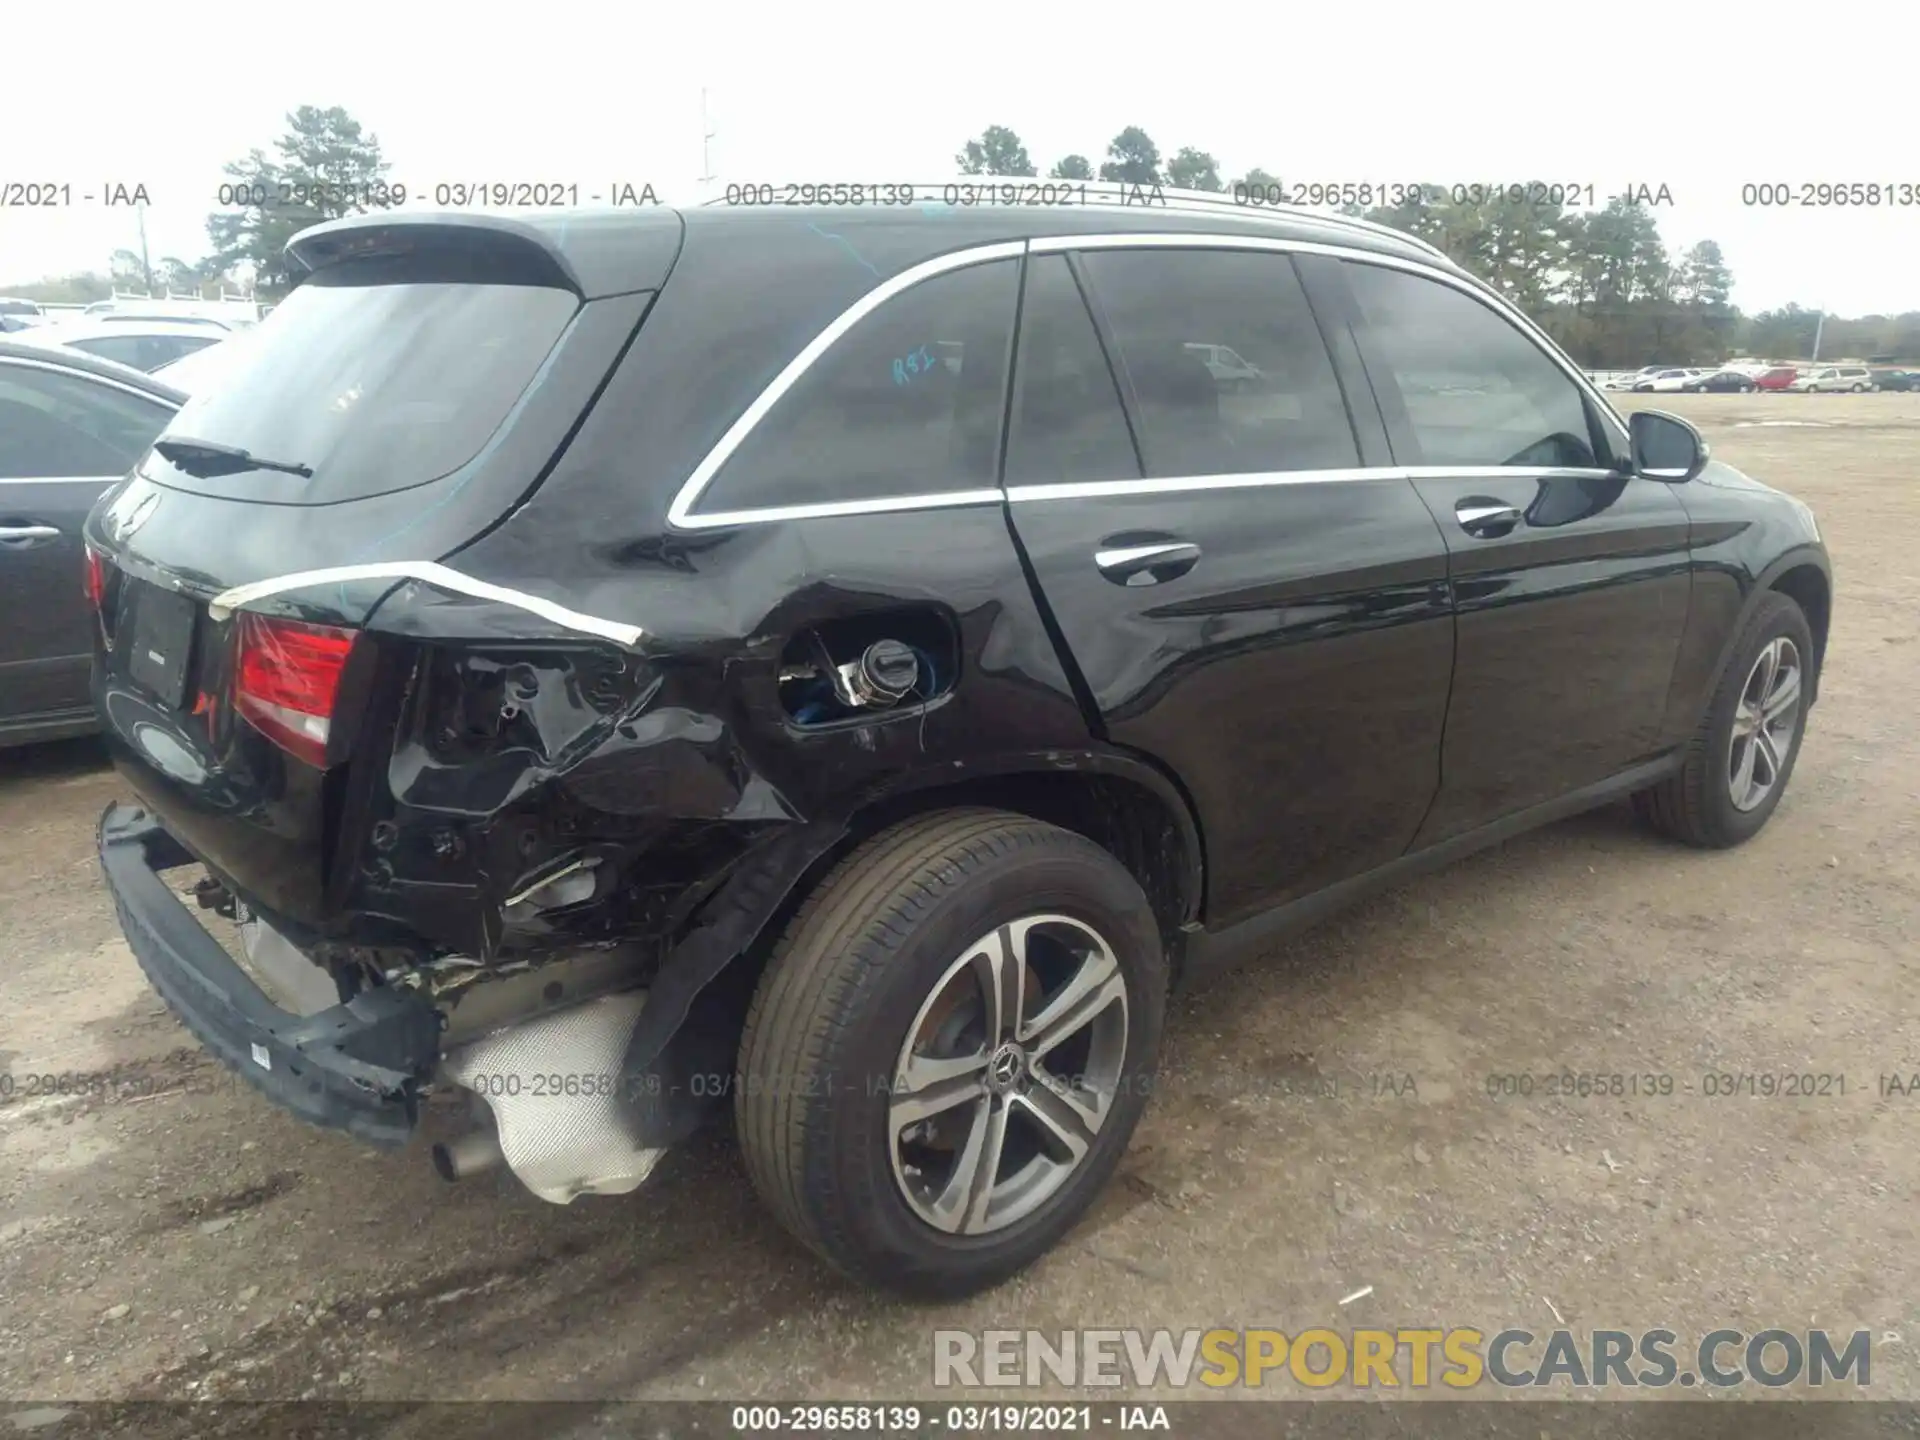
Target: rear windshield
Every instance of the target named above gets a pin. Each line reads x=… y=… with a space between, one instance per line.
x=373 y=387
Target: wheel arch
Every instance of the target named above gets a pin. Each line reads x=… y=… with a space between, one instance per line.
x=1126 y=805
x=1810 y=586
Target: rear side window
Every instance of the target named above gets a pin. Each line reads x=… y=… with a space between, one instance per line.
x=1228 y=368
x=1068 y=424
x=55 y=424
x=906 y=403
x=144 y=352
x=377 y=387
x=1477 y=390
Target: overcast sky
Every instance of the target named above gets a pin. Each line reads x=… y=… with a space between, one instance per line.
x=1700 y=98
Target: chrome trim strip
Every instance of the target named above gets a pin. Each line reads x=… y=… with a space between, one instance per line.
x=829 y=509
x=430 y=573
x=102 y=481
x=680 y=516
x=1183 y=484
x=679 y=512
x=1512 y=472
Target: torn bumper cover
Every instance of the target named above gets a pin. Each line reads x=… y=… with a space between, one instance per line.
x=357 y=1067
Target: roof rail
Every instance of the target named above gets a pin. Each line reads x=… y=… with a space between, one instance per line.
x=1114 y=194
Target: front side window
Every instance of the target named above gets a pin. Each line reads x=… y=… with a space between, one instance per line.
x=1476 y=389
x=907 y=403
x=58 y=425
x=1229 y=372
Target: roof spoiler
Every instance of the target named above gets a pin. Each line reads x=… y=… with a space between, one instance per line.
x=480 y=249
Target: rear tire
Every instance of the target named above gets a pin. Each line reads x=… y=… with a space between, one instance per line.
x=1706 y=803
x=897 y=946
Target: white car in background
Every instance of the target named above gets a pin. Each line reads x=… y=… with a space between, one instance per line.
x=205 y=368
x=1663 y=381
x=142 y=343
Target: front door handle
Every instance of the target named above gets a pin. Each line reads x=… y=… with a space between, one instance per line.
x=1485 y=518
x=23 y=537
x=1146 y=563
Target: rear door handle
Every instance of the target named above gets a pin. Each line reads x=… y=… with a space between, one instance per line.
x=1146 y=563
x=22 y=537
x=1485 y=518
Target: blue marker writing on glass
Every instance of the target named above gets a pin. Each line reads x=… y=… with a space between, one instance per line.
x=908 y=366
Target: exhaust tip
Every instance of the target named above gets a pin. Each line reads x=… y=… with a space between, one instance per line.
x=467 y=1155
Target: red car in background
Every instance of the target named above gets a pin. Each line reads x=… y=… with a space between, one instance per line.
x=1778 y=378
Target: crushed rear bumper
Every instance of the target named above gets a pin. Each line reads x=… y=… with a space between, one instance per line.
x=357 y=1067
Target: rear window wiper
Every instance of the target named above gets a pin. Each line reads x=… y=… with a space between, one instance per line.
x=206 y=459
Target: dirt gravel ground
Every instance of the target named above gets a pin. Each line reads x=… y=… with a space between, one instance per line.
x=1325 y=1125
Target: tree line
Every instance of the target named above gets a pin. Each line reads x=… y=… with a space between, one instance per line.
x=1600 y=280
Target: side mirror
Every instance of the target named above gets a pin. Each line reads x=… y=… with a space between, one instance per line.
x=1665 y=447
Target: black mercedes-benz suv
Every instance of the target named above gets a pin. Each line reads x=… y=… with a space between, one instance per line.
x=844 y=665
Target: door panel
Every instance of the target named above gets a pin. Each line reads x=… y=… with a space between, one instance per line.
x=1568 y=627
x=1247 y=604
x=65 y=436
x=45 y=645
x=1570 y=580
x=1294 y=678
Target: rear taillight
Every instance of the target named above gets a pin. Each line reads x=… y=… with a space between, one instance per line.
x=285 y=681
x=96 y=579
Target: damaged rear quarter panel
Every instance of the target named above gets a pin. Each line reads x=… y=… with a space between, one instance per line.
x=522 y=748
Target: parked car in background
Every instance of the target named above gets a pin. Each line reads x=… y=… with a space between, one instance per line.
x=142 y=344
x=1896 y=379
x=1667 y=381
x=23 y=312
x=1831 y=378
x=229 y=314
x=70 y=426
x=205 y=322
x=1721 y=381
x=602 y=687
x=1777 y=377
x=198 y=372
x=1227 y=368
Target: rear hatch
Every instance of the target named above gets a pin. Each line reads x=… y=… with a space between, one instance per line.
x=415 y=387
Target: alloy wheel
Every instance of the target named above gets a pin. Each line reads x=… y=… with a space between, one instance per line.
x=1764 y=724
x=1009 y=1070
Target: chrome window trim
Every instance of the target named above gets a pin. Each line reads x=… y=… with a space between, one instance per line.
x=1190 y=484
x=102 y=481
x=680 y=514
x=829 y=509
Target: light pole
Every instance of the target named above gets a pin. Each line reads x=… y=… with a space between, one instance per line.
x=1819 y=325
x=706 y=145
x=146 y=270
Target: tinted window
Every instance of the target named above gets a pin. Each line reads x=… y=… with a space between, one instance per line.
x=1477 y=391
x=377 y=386
x=124 y=349
x=1226 y=363
x=907 y=402
x=1067 y=421
x=144 y=352
x=54 y=423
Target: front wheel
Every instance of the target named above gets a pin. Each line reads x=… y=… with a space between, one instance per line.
x=1736 y=766
x=949 y=1049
